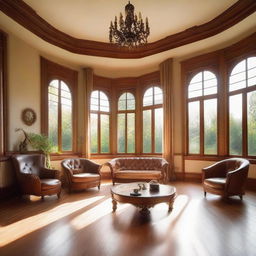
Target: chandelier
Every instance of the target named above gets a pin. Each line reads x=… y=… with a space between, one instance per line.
x=132 y=31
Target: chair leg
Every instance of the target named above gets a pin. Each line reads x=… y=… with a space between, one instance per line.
x=99 y=187
x=204 y=193
x=58 y=195
x=241 y=197
x=42 y=197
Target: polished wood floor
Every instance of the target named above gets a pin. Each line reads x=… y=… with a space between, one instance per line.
x=83 y=224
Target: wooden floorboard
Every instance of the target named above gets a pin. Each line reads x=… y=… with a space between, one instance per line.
x=83 y=224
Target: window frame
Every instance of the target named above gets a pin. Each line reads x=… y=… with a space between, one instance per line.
x=52 y=71
x=201 y=100
x=243 y=92
x=126 y=112
x=152 y=108
x=99 y=113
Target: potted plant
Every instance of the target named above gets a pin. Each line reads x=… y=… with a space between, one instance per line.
x=41 y=143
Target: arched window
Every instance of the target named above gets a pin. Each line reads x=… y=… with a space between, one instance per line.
x=100 y=122
x=242 y=108
x=60 y=116
x=202 y=114
x=126 y=123
x=153 y=120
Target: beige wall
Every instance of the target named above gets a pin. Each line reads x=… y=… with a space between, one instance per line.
x=24 y=91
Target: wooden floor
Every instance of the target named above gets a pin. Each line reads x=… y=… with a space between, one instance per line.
x=83 y=224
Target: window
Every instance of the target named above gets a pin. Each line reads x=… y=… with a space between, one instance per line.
x=153 y=120
x=100 y=122
x=242 y=108
x=202 y=114
x=126 y=123
x=60 y=130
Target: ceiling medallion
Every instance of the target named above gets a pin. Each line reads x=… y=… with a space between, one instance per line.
x=132 y=31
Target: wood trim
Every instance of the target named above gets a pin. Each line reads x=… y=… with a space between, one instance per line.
x=23 y=14
x=3 y=94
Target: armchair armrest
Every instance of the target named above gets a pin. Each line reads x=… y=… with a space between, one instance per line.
x=46 y=173
x=164 y=169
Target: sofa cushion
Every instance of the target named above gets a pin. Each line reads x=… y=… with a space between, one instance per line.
x=217 y=183
x=85 y=177
x=49 y=183
x=138 y=174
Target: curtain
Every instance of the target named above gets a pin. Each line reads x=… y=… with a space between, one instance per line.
x=88 y=88
x=166 y=82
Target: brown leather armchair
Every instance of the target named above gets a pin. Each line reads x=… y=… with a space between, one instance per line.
x=81 y=173
x=34 y=178
x=226 y=178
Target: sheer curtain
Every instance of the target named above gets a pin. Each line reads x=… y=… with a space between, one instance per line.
x=88 y=87
x=166 y=82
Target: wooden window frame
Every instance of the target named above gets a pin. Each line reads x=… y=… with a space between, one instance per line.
x=243 y=92
x=3 y=95
x=52 y=71
x=223 y=62
x=126 y=112
x=99 y=113
x=152 y=107
x=201 y=100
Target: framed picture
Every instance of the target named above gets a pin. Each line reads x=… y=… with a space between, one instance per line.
x=28 y=116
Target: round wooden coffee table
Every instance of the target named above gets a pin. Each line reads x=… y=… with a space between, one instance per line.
x=147 y=199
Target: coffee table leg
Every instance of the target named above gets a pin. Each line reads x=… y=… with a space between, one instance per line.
x=170 y=205
x=114 y=204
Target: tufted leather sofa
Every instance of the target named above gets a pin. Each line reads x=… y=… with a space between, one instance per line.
x=81 y=173
x=138 y=169
x=226 y=178
x=33 y=177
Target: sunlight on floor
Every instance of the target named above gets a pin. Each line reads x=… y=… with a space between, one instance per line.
x=96 y=213
x=23 y=227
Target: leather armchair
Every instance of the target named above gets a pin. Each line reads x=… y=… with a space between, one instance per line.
x=33 y=177
x=81 y=173
x=226 y=178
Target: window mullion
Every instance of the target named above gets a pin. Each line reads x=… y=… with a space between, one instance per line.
x=59 y=117
x=244 y=125
x=201 y=127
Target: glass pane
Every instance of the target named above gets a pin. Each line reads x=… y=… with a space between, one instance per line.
x=53 y=124
x=194 y=127
x=210 y=126
x=251 y=119
x=147 y=131
x=251 y=62
x=237 y=79
x=104 y=134
x=198 y=78
x=121 y=133
x=104 y=103
x=95 y=100
x=252 y=77
x=235 y=125
x=158 y=130
x=94 y=133
x=66 y=120
x=148 y=97
x=53 y=113
x=158 y=96
x=130 y=101
x=130 y=133
x=210 y=83
x=195 y=86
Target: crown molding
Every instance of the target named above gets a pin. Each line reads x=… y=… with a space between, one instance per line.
x=23 y=14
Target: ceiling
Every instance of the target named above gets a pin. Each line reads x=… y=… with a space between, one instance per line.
x=86 y=19
x=90 y=20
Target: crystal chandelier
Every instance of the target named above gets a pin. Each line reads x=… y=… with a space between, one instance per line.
x=132 y=31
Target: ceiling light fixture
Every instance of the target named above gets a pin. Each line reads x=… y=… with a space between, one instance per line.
x=132 y=31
